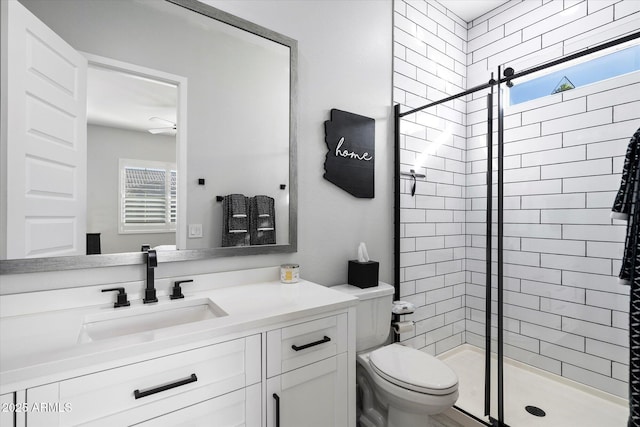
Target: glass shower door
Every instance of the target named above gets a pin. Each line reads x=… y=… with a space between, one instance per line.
x=564 y=311
x=475 y=367
x=436 y=272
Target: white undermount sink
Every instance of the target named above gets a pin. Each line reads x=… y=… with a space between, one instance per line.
x=132 y=320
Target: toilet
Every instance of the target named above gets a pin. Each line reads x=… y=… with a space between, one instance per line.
x=398 y=386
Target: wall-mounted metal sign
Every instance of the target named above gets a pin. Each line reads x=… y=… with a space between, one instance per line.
x=350 y=162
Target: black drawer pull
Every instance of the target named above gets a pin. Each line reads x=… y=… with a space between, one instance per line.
x=311 y=344
x=138 y=394
x=277 y=398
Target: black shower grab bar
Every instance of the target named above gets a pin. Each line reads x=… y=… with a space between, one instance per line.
x=500 y=384
x=489 y=221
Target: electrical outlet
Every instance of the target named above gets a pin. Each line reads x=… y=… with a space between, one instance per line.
x=195 y=230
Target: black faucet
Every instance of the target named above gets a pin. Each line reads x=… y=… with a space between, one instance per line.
x=152 y=262
x=122 y=297
x=177 y=289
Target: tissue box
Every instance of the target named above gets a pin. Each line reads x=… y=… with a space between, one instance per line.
x=363 y=274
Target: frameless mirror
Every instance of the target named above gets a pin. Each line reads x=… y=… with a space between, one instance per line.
x=184 y=104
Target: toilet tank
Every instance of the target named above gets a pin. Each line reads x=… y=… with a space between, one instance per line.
x=373 y=313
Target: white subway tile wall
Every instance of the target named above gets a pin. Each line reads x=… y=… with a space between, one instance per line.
x=564 y=310
x=430 y=63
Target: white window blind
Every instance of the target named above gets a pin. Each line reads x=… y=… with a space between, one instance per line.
x=173 y=197
x=148 y=196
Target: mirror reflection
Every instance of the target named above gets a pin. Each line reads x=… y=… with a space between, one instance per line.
x=183 y=111
x=131 y=137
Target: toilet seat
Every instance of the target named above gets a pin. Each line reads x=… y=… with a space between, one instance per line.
x=413 y=370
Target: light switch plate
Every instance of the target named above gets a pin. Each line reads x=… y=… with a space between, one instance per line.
x=195 y=230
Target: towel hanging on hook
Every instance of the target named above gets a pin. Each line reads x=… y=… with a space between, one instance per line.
x=412 y=173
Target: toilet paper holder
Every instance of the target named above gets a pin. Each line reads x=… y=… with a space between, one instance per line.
x=403 y=326
x=399 y=309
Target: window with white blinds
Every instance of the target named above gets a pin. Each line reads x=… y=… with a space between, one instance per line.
x=148 y=196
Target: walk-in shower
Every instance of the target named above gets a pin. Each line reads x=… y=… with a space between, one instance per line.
x=522 y=189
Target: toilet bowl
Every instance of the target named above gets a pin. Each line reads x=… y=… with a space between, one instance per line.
x=408 y=384
x=398 y=386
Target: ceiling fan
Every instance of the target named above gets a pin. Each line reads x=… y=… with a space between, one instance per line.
x=170 y=127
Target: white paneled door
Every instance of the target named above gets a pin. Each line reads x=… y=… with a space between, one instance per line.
x=45 y=140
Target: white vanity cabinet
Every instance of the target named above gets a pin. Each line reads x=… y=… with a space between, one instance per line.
x=7 y=409
x=192 y=385
x=277 y=356
x=307 y=374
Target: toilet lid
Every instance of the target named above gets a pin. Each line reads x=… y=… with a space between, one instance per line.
x=413 y=369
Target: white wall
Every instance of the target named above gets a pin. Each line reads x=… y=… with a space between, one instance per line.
x=344 y=62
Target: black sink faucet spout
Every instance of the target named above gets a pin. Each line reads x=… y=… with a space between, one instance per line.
x=151 y=258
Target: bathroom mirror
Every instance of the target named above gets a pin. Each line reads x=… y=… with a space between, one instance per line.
x=235 y=120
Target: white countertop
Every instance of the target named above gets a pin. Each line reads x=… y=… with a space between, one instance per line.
x=43 y=347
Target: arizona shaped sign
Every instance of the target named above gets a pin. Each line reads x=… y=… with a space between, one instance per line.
x=350 y=161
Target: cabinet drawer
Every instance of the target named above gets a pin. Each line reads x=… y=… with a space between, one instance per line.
x=238 y=408
x=161 y=385
x=305 y=343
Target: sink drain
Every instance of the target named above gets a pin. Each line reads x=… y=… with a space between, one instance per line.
x=534 y=410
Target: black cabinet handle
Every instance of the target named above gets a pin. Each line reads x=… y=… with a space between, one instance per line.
x=311 y=344
x=138 y=394
x=277 y=399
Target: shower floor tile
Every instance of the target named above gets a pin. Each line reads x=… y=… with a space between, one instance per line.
x=566 y=404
